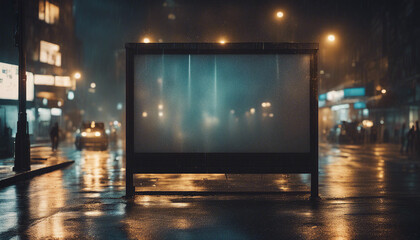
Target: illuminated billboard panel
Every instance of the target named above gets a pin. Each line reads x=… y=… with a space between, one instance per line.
x=9 y=83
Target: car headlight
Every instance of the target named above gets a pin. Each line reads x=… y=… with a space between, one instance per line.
x=84 y=134
x=97 y=134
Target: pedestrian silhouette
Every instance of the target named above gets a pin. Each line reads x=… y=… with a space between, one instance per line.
x=403 y=142
x=54 y=136
x=410 y=140
x=417 y=138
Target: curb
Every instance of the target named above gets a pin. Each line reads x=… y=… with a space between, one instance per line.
x=37 y=145
x=32 y=173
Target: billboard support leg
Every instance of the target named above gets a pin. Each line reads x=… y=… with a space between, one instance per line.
x=129 y=185
x=314 y=186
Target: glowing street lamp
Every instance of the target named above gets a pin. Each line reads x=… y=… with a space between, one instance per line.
x=93 y=85
x=331 y=38
x=146 y=40
x=266 y=104
x=77 y=75
x=279 y=14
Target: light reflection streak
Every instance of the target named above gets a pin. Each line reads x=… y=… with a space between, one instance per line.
x=337 y=175
x=94 y=171
x=189 y=81
x=45 y=205
x=148 y=201
x=282 y=183
x=9 y=216
x=182 y=223
x=215 y=84
x=94 y=213
x=164 y=211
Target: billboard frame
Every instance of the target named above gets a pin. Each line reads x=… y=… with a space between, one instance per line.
x=222 y=162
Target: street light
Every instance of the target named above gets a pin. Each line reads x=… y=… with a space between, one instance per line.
x=77 y=75
x=222 y=41
x=266 y=104
x=280 y=31
x=331 y=38
x=22 y=142
x=146 y=40
x=93 y=85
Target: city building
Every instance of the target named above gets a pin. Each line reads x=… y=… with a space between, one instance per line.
x=385 y=61
x=53 y=57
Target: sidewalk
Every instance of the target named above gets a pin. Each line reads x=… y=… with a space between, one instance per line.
x=43 y=160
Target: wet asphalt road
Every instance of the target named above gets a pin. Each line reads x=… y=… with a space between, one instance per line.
x=369 y=192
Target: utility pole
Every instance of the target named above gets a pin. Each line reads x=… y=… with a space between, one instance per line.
x=22 y=144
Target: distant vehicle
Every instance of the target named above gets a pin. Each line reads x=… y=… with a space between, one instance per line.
x=92 y=135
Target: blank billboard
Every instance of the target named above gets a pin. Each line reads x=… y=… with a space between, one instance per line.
x=221 y=103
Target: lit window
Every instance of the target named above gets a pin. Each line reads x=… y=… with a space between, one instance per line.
x=63 y=81
x=48 y=12
x=50 y=53
x=41 y=13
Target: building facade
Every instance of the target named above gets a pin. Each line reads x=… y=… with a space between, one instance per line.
x=385 y=60
x=53 y=56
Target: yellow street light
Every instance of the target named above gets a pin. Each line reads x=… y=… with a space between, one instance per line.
x=77 y=75
x=266 y=104
x=367 y=123
x=279 y=14
x=331 y=38
x=383 y=91
x=146 y=40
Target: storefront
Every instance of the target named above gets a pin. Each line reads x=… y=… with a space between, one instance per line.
x=46 y=97
x=50 y=98
x=9 y=98
x=341 y=115
x=364 y=115
x=9 y=106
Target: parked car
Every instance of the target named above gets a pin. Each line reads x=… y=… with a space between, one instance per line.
x=92 y=135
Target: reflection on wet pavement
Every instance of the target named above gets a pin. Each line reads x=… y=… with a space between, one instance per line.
x=221 y=182
x=368 y=193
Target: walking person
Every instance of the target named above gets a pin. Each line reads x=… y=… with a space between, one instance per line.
x=417 y=139
x=54 y=136
x=410 y=140
x=403 y=139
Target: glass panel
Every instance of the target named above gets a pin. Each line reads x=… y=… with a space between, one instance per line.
x=221 y=103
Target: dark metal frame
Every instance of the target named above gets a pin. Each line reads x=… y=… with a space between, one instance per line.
x=221 y=162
